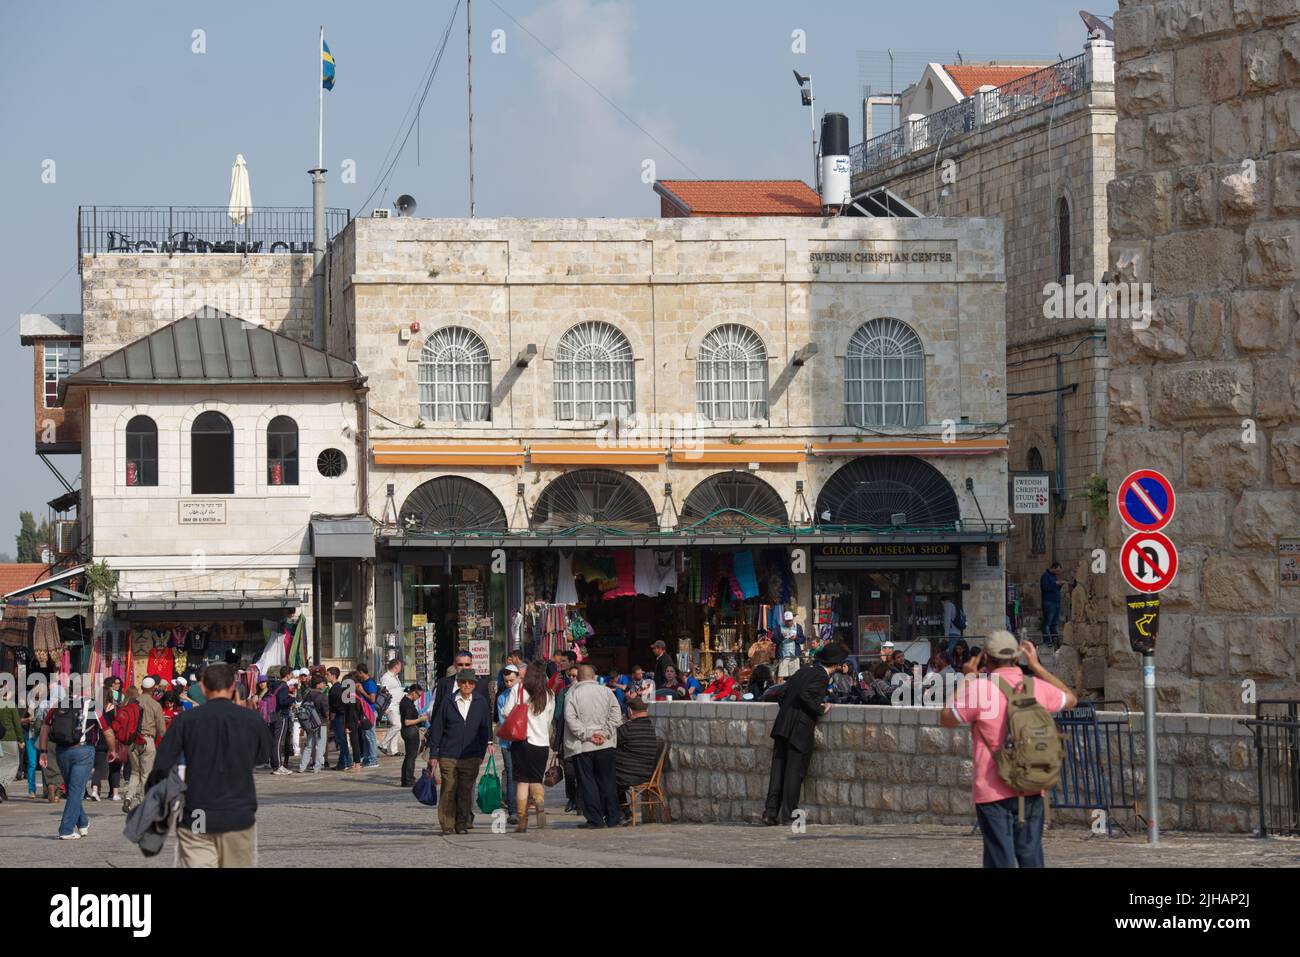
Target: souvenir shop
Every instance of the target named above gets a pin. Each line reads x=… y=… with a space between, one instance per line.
x=46 y=637
x=610 y=605
x=867 y=593
x=177 y=642
x=447 y=600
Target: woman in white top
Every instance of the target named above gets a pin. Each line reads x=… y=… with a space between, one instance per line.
x=531 y=755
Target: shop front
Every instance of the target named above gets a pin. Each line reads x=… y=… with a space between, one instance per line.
x=871 y=592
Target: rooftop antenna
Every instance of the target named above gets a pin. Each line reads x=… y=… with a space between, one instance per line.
x=469 y=88
x=806 y=97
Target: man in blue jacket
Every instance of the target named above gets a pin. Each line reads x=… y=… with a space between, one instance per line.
x=1050 y=583
x=460 y=736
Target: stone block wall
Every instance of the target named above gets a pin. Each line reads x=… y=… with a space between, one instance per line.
x=889 y=765
x=1018 y=169
x=1208 y=173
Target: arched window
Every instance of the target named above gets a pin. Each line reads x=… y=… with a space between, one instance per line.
x=731 y=374
x=212 y=455
x=884 y=375
x=282 y=451
x=455 y=377
x=593 y=373
x=141 y=451
x=1037 y=523
x=1062 y=239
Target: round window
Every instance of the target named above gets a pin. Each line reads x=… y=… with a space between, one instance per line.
x=331 y=463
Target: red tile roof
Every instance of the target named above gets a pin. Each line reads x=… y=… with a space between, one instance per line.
x=969 y=77
x=733 y=197
x=16 y=575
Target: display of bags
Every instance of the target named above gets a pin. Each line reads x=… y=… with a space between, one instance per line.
x=489 y=788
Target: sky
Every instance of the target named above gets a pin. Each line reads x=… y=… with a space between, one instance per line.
x=146 y=103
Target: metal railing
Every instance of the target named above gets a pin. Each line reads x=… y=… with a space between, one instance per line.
x=171 y=230
x=1276 y=728
x=1018 y=96
x=1098 y=770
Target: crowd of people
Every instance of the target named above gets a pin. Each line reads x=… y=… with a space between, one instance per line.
x=592 y=732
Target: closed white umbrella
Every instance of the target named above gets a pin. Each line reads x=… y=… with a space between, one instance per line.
x=241 y=197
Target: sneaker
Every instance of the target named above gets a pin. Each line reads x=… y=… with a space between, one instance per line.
x=74 y=836
x=94 y=795
x=116 y=797
x=282 y=770
x=83 y=831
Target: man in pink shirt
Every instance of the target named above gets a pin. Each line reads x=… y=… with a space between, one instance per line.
x=980 y=703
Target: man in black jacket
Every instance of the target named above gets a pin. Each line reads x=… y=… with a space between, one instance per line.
x=222 y=743
x=445 y=689
x=803 y=702
x=663 y=661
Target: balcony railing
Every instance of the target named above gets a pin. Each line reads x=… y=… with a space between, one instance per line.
x=172 y=230
x=1018 y=96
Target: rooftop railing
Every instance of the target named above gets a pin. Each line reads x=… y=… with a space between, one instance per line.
x=173 y=230
x=1021 y=95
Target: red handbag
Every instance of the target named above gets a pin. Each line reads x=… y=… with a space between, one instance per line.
x=515 y=726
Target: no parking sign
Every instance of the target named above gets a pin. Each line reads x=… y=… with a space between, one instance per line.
x=1146 y=500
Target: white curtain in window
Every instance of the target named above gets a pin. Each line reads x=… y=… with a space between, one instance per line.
x=884 y=375
x=731 y=375
x=593 y=373
x=455 y=377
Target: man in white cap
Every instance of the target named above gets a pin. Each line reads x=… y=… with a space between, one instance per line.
x=1011 y=821
x=142 y=753
x=788 y=646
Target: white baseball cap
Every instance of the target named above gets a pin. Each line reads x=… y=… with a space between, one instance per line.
x=180 y=681
x=512 y=668
x=789 y=616
x=147 y=683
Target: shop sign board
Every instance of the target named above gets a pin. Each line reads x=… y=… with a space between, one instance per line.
x=1288 y=562
x=481 y=652
x=1031 y=493
x=872 y=631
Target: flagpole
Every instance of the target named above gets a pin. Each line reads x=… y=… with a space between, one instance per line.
x=320 y=89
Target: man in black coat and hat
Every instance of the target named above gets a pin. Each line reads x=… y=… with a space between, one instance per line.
x=803 y=702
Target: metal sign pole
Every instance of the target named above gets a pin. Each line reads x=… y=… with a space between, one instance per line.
x=1149 y=720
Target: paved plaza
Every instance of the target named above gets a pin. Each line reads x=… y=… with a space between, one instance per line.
x=305 y=819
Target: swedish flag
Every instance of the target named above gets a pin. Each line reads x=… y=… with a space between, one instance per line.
x=326 y=66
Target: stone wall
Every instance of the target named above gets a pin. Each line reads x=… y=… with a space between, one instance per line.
x=891 y=765
x=1208 y=178
x=127 y=296
x=1018 y=169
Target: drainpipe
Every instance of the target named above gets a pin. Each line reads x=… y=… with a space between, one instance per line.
x=318 y=243
x=1061 y=496
x=363 y=448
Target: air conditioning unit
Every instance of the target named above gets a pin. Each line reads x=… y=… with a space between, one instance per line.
x=67 y=537
x=380 y=213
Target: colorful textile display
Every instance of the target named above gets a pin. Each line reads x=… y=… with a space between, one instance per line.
x=625 y=579
x=743 y=574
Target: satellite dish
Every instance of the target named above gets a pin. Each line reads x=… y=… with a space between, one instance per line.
x=1097 y=27
x=405 y=205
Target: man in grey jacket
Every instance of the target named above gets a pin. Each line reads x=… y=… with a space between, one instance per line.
x=591 y=720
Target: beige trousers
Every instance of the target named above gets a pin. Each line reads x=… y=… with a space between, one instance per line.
x=232 y=849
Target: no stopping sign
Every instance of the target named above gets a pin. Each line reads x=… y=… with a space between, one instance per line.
x=1149 y=562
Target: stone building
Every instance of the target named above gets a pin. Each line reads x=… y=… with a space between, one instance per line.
x=715 y=390
x=1206 y=203
x=1034 y=148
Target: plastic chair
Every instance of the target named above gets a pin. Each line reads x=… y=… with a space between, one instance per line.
x=652 y=792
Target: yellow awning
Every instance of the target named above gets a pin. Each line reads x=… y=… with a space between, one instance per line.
x=764 y=453
x=503 y=454
x=577 y=453
x=932 y=446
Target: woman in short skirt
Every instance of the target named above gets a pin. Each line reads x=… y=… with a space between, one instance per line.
x=531 y=755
